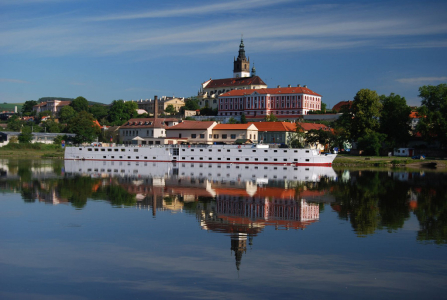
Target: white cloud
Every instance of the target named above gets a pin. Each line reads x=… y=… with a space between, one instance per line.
x=12 y=80
x=422 y=80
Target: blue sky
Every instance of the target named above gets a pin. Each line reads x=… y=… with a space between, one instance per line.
x=107 y=50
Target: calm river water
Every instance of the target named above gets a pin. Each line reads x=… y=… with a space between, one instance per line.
x=83 y=230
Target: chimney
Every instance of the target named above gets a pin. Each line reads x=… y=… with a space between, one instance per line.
x=305 y=86
x=278 y=86
x=299 y=85
x=289 y=85
x=155 y=107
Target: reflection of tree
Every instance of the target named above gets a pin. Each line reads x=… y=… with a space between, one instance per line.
x=372 y=201
x=431 y=211
x=118 y=196
x=76 y=190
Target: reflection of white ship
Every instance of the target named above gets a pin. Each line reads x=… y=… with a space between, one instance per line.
x=221 y=172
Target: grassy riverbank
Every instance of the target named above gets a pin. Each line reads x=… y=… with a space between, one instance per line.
x=385 y=161
x=31 y=151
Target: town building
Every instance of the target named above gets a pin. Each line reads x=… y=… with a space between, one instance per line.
x=242 y=79
x=283 y=102
x=194 y=132
x=230 y=133
x=148 y=105
x=146 y=131
x=37 y=137
x=54 y=106
x=275 y=132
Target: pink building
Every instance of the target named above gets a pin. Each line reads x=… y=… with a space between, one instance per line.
x=52 y=105
x=286 y=102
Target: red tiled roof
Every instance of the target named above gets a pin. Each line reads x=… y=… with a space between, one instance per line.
x=274 y=126
x=186 y=125
x=232 y=126
x=229 y=82
x=337 y=107
x=310 y=126
x=414 y=115
x=147 y=123
x=275 y=91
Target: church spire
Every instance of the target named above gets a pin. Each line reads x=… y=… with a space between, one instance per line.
x=241 y=63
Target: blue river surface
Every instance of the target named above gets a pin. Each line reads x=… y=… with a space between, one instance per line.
x=75 y=230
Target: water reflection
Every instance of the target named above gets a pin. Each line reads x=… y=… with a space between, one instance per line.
x=241 y=200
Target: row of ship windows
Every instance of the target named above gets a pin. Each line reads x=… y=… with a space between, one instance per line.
x=200 y=166
x=192 y=150
x=201 y=158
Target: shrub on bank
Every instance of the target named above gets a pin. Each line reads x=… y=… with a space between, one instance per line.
x=29 y=146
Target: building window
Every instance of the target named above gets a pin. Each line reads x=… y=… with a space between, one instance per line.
x=216 y=136
x=224 y=136
x=202 y=136
x=233 y=136
x=193 y=136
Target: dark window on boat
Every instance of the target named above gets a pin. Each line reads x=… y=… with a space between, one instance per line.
x=275 y=168
x=285 y=151
x=89 y=149
x=109 y=150
x=266 y=159
x=80 y=149
x=285 y=168
x=154 y=157
x=218 y=150
x=265 y=168
x=307 y=169
x=201 y=158
x=103 y=149
x=296 y=159
x=254 y=150
x=210 y=158
x=192 y=158
x=112 y=156
x=296 y=169
x=275 y=159
x=228 y=150
x=228 y=158
x=237 y=158
x=145 y=157
x=307 y=151
x=183 y=157
x=296 y=151
x=121 y=157
x=266 y=151
x=123 y=150
x=307 y=159
x=201 y=150
x=116 y=150
x=135 y=150
x=285 y=159
x=256 y=159
x=275 y=150
x=103 y=157
x=247 y=158
x=183 y=149
x=246 y=167
x=96 y=149
x=192 y=150
x=128 y=157
x=137 y=157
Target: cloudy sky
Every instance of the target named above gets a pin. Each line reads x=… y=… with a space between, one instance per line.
x=133 y=49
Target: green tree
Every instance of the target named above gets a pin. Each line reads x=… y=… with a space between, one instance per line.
x=323 y=107
x=170 y=109
x=271 y=118
x=321 y=137
x=371 y=142
x=243 y=119
x=84 y=127
x=66 y=114
x=51 y=126
x=192 y=104
x=395 y=120
x=14 y=123
x=99 y=111
x=79 y=104
x=121 y=111
x=26 y=136
x=363 y=115
x=27 y=108
x=232 y=121
x=433 y=112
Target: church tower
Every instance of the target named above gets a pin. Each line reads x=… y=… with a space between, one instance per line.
x=241 y=63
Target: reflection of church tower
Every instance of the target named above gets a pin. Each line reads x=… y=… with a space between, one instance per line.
x=241 y=64
x=239 y=246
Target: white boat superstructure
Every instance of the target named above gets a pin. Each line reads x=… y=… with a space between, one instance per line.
x=234 y=154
